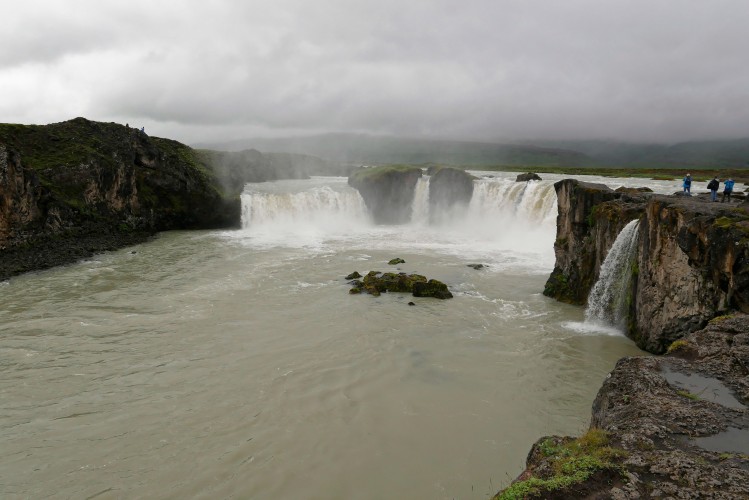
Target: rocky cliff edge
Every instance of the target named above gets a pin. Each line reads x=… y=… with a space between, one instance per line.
x=692 y=257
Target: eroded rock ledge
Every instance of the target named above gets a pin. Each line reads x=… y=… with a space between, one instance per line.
x=692 y=264
x=675 y=426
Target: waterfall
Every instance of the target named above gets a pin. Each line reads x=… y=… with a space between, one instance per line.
x=316 y=206
x=420 y=206
x=529 y=202
x=607 y=301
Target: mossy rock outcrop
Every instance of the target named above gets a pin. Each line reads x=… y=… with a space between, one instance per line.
x=387 y=191
x=376 y=283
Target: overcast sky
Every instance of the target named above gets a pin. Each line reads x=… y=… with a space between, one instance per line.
x=200 y=70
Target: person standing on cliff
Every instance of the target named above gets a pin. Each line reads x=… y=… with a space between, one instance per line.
x=688 y=185
x=713 y=186
x=727 y=190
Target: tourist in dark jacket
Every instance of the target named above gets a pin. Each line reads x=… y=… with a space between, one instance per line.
x=713 y=186
x=688 y=185
x=727 y=190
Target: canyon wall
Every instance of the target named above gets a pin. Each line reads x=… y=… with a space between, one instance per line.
x=692 y=264
x=71 y=189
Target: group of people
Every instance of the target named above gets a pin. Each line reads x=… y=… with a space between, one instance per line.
x=713 y=186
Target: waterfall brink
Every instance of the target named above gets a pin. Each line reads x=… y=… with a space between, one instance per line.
x=318 y=206
x=505 y=222
x=607 y=301
x=420 y=207
x=530 y=202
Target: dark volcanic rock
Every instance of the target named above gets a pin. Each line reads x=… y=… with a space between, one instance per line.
x=376 y=283
x=71 y=189
x=432 y=288
x=387 y=191
x=449 y=188
x=530 y=176
x=692 y=262
x=682 y=420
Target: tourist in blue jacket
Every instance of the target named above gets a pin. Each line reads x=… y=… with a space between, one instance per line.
x=727 y=190
x=688 y=185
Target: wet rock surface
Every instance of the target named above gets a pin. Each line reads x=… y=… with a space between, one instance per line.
x=530 y=176
x=72 y=189
x=449 y=188
x=692 y=257
x=681 y=421
x=388 y=191
x=376 y=283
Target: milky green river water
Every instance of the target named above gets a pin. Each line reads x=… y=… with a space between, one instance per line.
x=234 y=364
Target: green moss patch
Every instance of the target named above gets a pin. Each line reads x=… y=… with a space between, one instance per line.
x=568 y=464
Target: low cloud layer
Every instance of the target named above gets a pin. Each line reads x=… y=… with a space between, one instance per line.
x=486 y=70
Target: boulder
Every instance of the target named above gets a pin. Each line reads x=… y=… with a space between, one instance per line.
x=449 y=188
x=387 y=191
x=530 y=176
x=376 y=283
x=396 y=261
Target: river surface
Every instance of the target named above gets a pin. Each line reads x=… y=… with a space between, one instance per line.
x=234 y=364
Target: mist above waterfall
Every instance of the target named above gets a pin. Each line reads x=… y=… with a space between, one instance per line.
x=506 y=222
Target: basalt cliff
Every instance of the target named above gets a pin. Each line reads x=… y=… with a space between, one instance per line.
x=71 y=189
x=674 y=426
x=692 y=257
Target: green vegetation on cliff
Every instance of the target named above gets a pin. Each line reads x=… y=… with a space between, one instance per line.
x=375 y=174
x=563 y=463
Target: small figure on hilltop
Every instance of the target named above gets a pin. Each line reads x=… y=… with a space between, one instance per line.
x=713 y=186
x=727 y=190
x=688 y=185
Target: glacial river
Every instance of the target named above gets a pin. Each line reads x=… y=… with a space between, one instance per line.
x=234 y=364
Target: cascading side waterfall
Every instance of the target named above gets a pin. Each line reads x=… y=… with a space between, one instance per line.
x=608 y=299
x=420 y=205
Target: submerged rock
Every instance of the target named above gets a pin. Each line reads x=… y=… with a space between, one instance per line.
x=476 y=266
x=396 y=261
x=353 y=276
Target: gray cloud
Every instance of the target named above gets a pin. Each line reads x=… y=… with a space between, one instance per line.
x=491 y=70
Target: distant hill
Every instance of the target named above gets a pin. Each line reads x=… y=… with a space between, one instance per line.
x=377 y=150
x=693 y=154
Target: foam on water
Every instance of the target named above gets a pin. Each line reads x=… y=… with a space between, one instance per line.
x=507 y=224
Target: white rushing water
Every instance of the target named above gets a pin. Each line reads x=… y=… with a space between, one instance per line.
x=234 y=364
x=607 y=302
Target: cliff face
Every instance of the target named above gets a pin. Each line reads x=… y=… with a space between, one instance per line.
x=675 y=426
x=449 y=189
x=70 y=189
x=387 y=191
x=693 y=257
x=589 y=219
x=20 y=194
